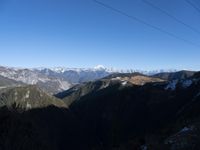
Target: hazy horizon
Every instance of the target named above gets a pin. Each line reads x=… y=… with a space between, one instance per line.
x=101 y=66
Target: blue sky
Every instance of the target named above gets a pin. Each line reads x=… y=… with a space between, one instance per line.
x=81 y=33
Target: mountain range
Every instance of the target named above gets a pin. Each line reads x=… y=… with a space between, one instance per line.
x=100 y=110
x=58 y=79
x=52 y=80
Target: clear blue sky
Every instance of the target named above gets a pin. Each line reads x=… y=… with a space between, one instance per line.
x=81 y=33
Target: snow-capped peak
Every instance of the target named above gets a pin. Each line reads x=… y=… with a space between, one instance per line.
x=59 y=69
x=99 y=67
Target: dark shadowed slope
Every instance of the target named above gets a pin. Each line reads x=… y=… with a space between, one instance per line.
x=120 y=113
x=175 y=75
x=33 y=120
x=48 y=128
x=122 y=80
x=108 y=114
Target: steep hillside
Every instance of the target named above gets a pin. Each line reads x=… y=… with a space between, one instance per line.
x=121 y=80
x=27 y=97
x=116 y=115
x=175 y=75
x=49 y=128
x=48 y=84
x=123 y=111
x=5 y=82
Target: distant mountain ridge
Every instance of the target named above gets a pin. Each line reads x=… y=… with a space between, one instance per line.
x=175 y=75
x=31 y=77
x=58 y=79
x=110 y=113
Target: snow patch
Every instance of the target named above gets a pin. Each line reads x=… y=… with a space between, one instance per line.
x=15 y=94
x=186 y=129
x=117 y=78
x=174 y=138
x=124 y=83
x=27 y=94
x=171 y=85
x=99 y=67
x=187 y=83
x=64 y=85
x=105 y=85
x=58 y=69
x=28 y=106
x=3 y=87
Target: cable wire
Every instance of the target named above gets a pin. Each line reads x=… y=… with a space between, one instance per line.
x=193 y=5
x=145 y=23
x=171 y=16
